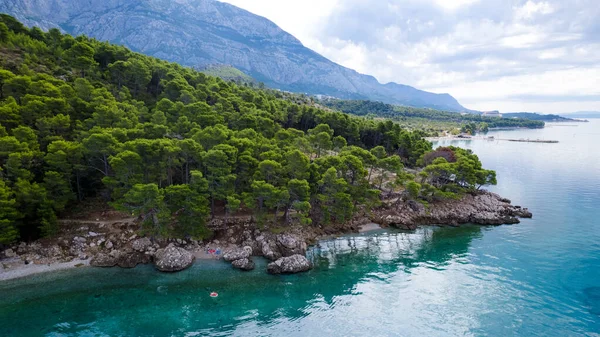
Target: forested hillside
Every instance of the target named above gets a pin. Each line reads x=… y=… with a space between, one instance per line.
x=198 y=33
x=81 y=118
x=428 y=118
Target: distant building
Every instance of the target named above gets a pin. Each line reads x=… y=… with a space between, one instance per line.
x=491 y=114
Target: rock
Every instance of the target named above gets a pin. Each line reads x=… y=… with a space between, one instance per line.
x=173 y=259
x=270 y=250
x=243 y=264
x=115 y=253
x=79 y=239
x=103 y=260
x=141 y=245
x=254 y=245
x=92 y=234
x=83 y=256
x=289 y=265
x=132 y=259
x=482 y=207
x=291 y=245
x=108 y=245
x=10 y=253
x=237 y=254
x=22 y=249
x=11 y=263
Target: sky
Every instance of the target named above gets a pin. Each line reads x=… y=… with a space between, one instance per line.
x=507 y=55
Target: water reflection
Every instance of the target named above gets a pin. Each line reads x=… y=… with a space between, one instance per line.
x=142 y=302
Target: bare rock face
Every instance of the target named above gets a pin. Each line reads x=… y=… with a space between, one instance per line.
x=9 y=253
x=237 y=254
x=132 y=259
x=104 y=260
x=289 y=265
x=141 y=245
x=270 y=250
x=483 y=208
x=243 y=264
x=202 y=32
x=291 y=245
x=173 y=259
x=282 y=245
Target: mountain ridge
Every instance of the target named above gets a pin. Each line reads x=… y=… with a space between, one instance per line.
x=198 y=33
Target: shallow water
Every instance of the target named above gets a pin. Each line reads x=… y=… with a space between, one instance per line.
x=538 y=278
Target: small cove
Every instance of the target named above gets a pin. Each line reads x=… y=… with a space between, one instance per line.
x=540 y=277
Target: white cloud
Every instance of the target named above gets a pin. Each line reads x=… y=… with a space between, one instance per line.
x=533 y=91
x=454 y=4
x=531 y=9
x=299 y=18
x=491 y=54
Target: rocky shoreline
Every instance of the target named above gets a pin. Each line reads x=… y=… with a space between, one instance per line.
x=237 y=240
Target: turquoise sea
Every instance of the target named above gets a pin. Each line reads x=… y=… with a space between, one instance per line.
x=538 y=278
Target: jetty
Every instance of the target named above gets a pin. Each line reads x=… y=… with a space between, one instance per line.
x=531 y=141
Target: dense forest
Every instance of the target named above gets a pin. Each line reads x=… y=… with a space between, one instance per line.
x=537 y=117
x=80 y=119
x=427 y=118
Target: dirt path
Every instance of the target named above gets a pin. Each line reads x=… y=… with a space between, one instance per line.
x=96 y=222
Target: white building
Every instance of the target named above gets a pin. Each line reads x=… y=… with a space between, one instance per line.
x=491 y=114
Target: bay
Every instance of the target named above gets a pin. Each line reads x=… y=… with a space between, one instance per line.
x=538 y=278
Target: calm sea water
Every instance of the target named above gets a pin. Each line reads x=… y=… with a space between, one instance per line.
x=538 y=278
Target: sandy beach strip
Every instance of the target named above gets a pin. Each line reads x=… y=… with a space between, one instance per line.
x=31 y=269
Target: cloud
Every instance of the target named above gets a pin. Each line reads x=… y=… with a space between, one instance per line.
x=531 y=9
x=483 y=52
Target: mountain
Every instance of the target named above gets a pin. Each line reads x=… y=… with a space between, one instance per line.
x=202 y=32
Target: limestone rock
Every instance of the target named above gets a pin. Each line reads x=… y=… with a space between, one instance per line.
x=132 y=259
x=104 y=260
x=237 y=254
x=10 y=253
x=205 y=32
x=173 y=259
x=270 y=250
x=483 y=208
x=289 y=265
x=291 y=245
x=141 y=245
x=243 y=264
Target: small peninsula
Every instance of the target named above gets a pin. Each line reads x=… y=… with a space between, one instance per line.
x=113 y=158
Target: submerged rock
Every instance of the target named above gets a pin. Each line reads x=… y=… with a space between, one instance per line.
x=289 y=265
x=173 y=259
x=243 y=264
